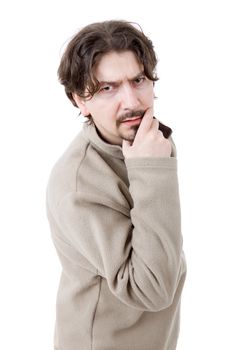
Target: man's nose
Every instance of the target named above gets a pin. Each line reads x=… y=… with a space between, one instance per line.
x=129 y=98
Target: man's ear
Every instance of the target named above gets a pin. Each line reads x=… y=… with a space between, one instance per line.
x=81 y=104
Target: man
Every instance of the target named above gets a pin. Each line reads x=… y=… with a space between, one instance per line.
x=113 y=201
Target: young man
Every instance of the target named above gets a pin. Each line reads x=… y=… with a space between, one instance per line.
x=113 y=201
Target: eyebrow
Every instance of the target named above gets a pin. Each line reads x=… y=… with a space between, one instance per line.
x=118 y=82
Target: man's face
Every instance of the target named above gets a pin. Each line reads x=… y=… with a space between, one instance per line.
x=125 y=94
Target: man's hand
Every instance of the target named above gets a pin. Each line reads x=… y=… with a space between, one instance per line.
x=149 y=140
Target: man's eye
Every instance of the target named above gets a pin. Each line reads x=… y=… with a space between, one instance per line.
x=139 y=80
x=105 y=88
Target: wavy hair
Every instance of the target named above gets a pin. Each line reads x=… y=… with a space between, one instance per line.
x=86 y=48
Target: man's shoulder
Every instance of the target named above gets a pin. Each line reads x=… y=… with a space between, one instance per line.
x=62 y=178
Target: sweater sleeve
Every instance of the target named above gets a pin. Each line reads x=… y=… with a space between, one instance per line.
x=139 y=252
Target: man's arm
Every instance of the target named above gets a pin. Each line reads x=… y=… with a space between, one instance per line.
x=138 y=252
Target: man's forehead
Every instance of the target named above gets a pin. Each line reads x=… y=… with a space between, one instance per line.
x=115 y=67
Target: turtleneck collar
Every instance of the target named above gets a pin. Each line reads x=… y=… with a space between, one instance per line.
x=92 y=135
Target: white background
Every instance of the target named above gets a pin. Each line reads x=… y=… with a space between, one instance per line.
x=193 y=40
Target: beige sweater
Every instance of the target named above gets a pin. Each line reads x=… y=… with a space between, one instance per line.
x=116 y=227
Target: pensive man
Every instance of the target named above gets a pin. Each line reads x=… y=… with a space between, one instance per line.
x=113 y=200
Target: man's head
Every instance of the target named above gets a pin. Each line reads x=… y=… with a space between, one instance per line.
x=108 y=70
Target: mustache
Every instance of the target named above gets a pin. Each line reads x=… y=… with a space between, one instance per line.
x=129 y=115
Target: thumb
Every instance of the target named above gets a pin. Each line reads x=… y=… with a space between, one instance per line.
x=125 y=146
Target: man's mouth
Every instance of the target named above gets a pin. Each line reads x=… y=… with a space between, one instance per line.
x=133 y=120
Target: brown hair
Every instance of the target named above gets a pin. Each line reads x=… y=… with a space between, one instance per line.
x=83 y=53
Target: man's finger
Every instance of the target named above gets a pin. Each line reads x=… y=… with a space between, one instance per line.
x=146 y=123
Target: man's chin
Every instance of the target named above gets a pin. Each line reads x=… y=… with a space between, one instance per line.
x=130 y=138
x=130 y=134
